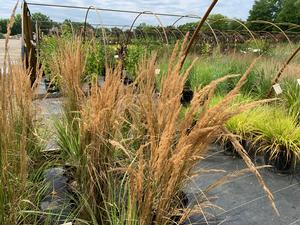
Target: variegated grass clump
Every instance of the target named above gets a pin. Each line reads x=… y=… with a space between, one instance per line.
x=135 y=141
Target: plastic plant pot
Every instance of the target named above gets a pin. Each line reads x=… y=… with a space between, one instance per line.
x=281 y=163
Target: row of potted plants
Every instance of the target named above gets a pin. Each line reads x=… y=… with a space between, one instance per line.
x=97 y=56
x=268 y=130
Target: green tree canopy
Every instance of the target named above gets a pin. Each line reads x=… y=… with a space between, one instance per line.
x=290 y=12
x=222 y=23
x=17 y=27
x=216 y=21
x=3 y=25
x=187 y=27
x=44 y=21
x=266 y=10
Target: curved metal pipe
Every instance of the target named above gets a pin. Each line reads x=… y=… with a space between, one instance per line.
x=156 y=16
x=240 y=23
x=212 y=30
x=290 y=24
x=180 y=32
x=210 y=27
x=85 y=25
x=272 y=24
x=85 y=21
x=174 y=35
x=269 y=34
x=157 y=31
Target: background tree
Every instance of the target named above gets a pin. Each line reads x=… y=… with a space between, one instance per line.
x=17 y=27
x=290 y=12
x=266 y=10
x=3 y=25
x=187 y=27
x=216 y=21
x=44 y=21
x=219 y=22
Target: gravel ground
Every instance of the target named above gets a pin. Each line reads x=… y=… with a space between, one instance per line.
x=14 y=50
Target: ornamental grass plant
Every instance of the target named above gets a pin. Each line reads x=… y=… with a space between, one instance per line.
x=17 y=135
x=134 y=146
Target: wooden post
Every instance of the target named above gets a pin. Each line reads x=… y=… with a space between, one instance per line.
x=29 y=48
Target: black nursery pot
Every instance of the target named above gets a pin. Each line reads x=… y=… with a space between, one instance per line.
x=50 y=87
x=230 y=150
x=187 y=96
x=184 y=202
x=282 y=163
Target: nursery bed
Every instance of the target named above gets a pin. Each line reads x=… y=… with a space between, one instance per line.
x=242 y=199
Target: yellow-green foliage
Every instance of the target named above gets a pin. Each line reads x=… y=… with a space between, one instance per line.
x=270 y=126
x=277 y=131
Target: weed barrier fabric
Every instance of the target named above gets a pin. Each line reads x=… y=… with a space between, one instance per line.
x=57 y=199
x=242 y=199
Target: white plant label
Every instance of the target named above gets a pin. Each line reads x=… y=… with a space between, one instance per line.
x=116 y=56
x=4 y=71
x=298 y=80
x=277 y=89
x=157 y=71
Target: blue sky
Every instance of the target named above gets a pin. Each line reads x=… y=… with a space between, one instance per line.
x=232 y=8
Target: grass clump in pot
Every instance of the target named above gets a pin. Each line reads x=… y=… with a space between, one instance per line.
x=277 y=135
x=168 y=154
x=240 y=125
x=135 y=147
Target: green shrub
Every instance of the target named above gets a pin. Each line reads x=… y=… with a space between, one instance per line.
x=136 y=51
x=97 y=56
x=95 y=61
x=240 y=124
x=134 y=54
x=47 y=49
x=209 y=69
x=245 y=124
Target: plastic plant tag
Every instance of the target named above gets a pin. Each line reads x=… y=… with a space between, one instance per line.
x=157 y=71
x=69 y=223
x=298 y=80
x=277 y=89
x=4 y=71
x=116 y=56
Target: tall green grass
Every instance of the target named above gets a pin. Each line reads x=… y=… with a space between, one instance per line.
x=216 y=66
